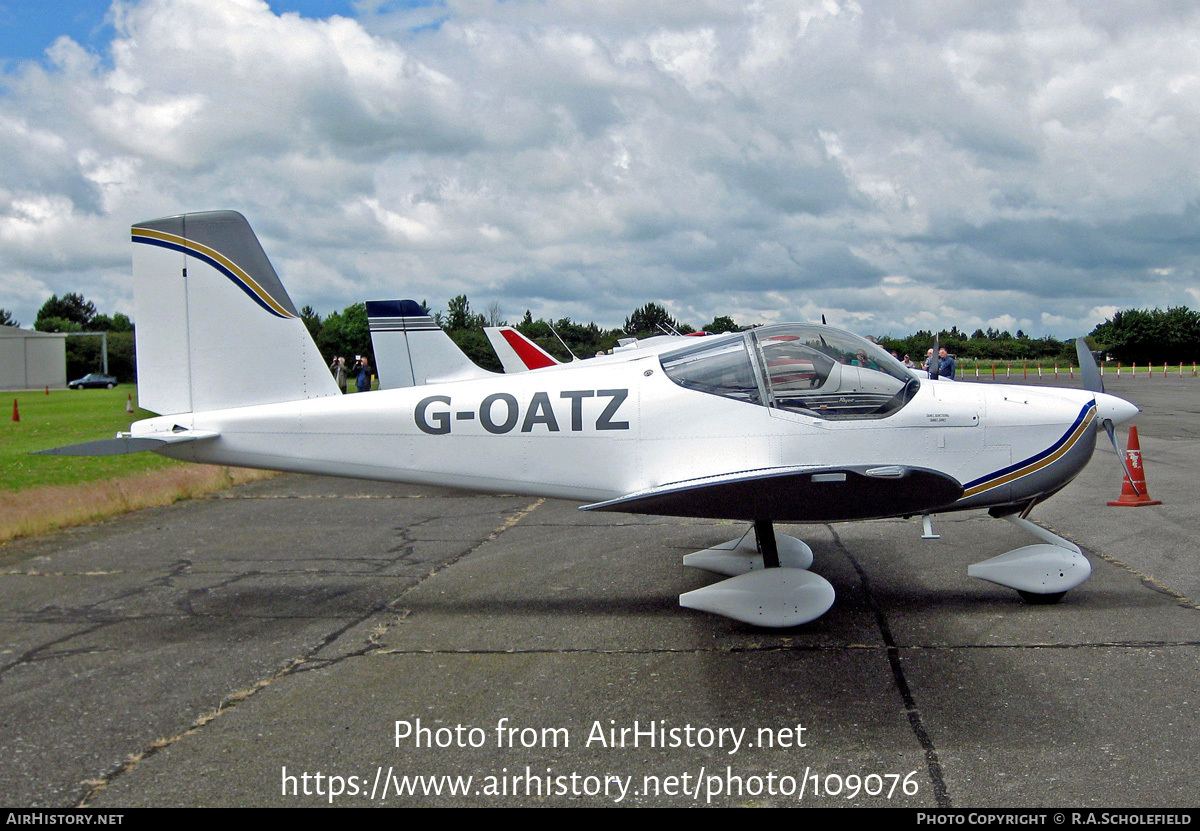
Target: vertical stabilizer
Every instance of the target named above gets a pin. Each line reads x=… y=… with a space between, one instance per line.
x=411 y=349
x=215 y=327
x=516 y=352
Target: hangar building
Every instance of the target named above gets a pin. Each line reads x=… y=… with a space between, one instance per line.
x=32 y=360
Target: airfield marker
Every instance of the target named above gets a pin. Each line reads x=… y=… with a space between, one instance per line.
x=16 y=412
x=1134 y=494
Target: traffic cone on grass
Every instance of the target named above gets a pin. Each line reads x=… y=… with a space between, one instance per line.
x=16 y=412
x=129 y=403
x=1134 y=494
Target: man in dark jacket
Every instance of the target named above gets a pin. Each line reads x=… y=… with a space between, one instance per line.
x=363 y=382
x=945 y=364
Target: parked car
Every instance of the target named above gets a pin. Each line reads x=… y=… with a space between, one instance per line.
x=94 y=380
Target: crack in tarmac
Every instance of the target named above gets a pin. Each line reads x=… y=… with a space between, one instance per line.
x=309 y=660
x=933 y=763
x=785 y=647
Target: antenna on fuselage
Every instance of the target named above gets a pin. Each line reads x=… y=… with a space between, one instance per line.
x=550 y=326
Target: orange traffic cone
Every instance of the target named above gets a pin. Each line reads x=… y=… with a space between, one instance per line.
x=16 y=412
x=129 y=403
x=1134 y=494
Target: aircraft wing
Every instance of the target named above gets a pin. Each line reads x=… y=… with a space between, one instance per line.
x=797 y=494
x=127 y=444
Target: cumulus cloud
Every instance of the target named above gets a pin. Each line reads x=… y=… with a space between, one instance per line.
x=890 y=166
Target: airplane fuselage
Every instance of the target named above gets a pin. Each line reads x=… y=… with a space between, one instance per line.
x=593 y=431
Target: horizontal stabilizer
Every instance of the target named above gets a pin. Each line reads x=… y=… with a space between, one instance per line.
x=797 y=494
x=127 y=444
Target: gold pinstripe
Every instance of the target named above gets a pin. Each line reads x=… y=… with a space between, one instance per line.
x=1036 y=466
x=250 y=282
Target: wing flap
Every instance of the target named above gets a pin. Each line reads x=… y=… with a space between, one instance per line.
x=797 y=494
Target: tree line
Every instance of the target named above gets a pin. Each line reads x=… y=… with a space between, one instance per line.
x=346 y=333
x=1130 y=336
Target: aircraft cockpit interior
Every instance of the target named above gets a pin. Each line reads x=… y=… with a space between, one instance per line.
x=813 y=370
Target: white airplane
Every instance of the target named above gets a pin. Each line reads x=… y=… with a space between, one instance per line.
x=786 y=423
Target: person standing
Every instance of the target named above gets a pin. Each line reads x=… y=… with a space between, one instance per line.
x=338 y=368
x=945 y=364
x=363 y=382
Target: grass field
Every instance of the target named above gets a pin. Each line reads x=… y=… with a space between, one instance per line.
x=67 y=417
x=44 y=493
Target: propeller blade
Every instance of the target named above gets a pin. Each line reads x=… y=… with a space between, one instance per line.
x=1112 y=436
x=1093 y=381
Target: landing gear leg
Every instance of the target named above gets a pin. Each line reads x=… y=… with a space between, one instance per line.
x=751 y=551
x=764 y=532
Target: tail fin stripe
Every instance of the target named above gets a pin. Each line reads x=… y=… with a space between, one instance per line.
x=530 y=356
x=218 y=261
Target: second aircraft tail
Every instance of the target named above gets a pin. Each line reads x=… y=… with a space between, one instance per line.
x=412 y=350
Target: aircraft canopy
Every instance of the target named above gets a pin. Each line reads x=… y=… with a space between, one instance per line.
x=811 y=369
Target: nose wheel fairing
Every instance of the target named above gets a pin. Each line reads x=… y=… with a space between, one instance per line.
x=1048 y=569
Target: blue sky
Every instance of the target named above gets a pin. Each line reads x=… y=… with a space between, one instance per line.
x=28 y=28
